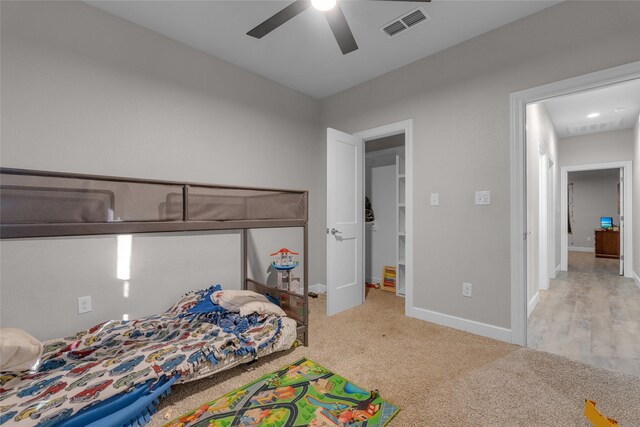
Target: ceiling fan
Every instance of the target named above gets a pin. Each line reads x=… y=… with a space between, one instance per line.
x=332 y=11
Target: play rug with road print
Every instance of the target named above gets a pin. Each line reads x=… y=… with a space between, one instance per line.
x=301 y=394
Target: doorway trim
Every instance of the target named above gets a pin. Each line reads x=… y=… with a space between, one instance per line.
x=628 y=212
x=406 y=127
x=545 y=201
x=518 y=105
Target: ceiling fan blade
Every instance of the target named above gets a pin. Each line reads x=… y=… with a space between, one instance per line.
x=341 y=30
x=279 y=18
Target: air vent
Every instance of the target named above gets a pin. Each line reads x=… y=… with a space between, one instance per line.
x=394 y=28
x=406 y=21
x=413 y=18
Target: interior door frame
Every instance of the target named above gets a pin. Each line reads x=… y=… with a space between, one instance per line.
x=623 y=222
x=518 y=105
x=544 y=200
x=406 y=127
x=628 y=213
x=551 y=212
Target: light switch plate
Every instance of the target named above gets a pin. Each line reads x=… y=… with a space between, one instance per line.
x=84 y=305
x=467 y=289
x=483 y=198
x=435 y=199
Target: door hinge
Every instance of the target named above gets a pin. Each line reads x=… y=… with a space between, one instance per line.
x=621 y=218
x=621 y=257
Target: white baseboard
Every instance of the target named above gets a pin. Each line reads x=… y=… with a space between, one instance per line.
x=580 y=249
x=318 y=288
x=636 y=278
x=532 y=303
x=471 y=326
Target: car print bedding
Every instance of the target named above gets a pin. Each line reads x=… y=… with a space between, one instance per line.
x=121 y=357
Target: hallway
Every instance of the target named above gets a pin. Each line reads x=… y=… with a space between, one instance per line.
x=590 y=314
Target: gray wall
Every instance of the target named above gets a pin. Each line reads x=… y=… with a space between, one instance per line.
x=604 y=147
x=84 y=91
x=540 y=135
x=42 y=278
x=459 y=100
x=595 y=194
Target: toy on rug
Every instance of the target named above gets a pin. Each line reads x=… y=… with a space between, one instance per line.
x=595 y=417
x=284 y=264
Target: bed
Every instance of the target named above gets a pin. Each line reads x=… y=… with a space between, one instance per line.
x=46 y=204
x=108 y=365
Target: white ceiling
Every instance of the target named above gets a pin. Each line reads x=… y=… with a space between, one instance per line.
x=569 y=113
x=302 y=53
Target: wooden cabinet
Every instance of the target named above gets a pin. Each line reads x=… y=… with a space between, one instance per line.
x=607 y=243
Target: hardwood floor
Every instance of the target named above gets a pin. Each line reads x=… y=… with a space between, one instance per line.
x=590 y=314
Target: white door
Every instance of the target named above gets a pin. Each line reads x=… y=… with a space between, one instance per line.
x=345 y=221
x=621 y=201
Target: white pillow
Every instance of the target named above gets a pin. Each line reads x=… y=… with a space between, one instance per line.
x=19 y=351
x=246 y=302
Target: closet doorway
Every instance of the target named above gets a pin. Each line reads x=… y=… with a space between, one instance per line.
x=346 y=226
x=385 y=213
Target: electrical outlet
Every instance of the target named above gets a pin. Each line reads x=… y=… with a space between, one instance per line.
x=84 y=305
x=483 y=197
x=588 y=238
x=467 y=289
x=435 y=199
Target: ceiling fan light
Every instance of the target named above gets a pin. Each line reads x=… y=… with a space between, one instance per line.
x=323 y=5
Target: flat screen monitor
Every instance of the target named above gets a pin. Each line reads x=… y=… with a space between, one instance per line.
x=606 y=222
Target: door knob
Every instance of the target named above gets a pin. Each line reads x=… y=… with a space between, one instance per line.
x=334 y=231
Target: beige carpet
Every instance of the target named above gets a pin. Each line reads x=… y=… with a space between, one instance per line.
x=437 y=375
